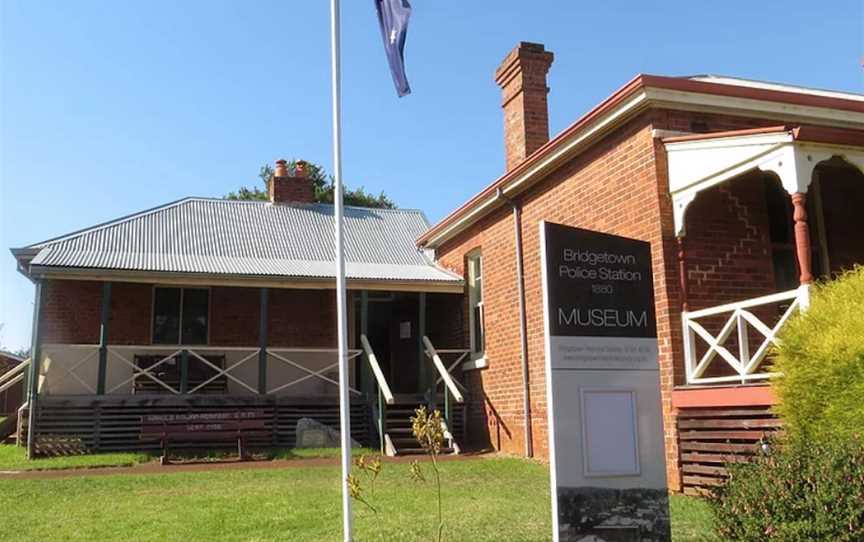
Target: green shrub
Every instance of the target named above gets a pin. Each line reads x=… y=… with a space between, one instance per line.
x=796 y=492
x=821 y=357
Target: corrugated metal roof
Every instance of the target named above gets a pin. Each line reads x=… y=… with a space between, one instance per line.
x=215 y=236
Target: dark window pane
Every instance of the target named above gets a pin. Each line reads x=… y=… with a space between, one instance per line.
x=478 y=328
x=779 y=213
x=166 y=316
x=195 y=302
x=785 y=269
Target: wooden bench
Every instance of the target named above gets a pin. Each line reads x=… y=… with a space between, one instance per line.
x=210 y=427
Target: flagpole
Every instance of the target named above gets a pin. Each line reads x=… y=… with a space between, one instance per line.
x=341 y=315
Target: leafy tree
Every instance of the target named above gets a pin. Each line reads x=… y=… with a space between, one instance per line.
x=322 y=185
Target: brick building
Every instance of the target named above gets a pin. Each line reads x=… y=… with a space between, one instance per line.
x=747 y=191
x=211 y=307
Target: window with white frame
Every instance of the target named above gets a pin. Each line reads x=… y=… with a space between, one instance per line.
x=180 y=315
x=475 y=301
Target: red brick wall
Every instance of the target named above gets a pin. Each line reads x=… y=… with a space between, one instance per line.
x=235 y=316
x=71 y=311
x=72 y=314
x=302 y=318
x=727 y=244
x=619 y=186
x=131 y=313
x=618 y=178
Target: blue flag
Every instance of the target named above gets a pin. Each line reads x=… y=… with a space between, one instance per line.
x=393 y=18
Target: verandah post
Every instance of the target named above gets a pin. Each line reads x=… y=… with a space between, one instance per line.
x=382 y=419
x=262 y=342
x=103 y=338
x=35 y=362
x=447 y=417
x=421 y=331
x=802 y=247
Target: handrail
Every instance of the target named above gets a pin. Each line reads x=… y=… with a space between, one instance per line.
x=376 y=370
x=13 y=375
x=753 y=302
x=445 y=375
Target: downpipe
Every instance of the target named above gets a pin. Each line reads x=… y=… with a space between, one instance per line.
x=523 y=333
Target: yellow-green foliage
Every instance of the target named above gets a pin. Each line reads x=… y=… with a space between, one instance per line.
x=821 y=358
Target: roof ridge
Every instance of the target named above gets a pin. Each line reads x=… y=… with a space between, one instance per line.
x=298 y=203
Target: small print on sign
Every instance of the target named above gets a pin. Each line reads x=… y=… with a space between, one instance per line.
x=602 y=379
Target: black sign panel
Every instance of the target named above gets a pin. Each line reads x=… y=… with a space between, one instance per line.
x=599 y=285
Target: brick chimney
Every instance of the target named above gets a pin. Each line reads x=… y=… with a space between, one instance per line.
x=291 y=187
x=522 y=78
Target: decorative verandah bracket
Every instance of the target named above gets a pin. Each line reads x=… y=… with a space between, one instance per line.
x=696 y=165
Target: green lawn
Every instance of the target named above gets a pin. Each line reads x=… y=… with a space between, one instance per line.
x=484 y=499
x=14 y=458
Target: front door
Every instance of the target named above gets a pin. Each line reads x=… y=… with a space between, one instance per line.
x=392 y=328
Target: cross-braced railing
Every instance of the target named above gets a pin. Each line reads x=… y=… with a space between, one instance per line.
x=283 y=355
x=121 y=354
x=746 y=361
x=14 y=375
x=73 y=369
x=62 y=362
x=452 y=387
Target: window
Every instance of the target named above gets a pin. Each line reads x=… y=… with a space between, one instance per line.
x=475 y=300
x=180 y=315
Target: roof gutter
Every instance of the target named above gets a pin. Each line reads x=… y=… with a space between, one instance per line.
x=242 y=281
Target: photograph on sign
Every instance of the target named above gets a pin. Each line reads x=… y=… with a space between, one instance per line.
x=607 y=457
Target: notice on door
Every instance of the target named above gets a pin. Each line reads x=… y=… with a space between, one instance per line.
x=605 y=421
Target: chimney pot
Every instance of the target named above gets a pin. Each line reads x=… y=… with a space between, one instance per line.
x=287 y=187
x=522 y=78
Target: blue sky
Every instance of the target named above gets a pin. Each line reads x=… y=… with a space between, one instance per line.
x=107 y=108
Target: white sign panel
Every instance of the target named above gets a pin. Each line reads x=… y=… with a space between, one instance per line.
x=602 y=378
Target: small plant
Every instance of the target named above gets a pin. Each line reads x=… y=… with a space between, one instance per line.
x=428 y=429
x=371 y=468
x=821 y=358
x=795 y=491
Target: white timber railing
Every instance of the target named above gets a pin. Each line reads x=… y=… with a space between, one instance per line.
x=746 y=361
x=73 y=369
x=385 y=397
x=14 y=375
x=452 y=387
x=282 y=354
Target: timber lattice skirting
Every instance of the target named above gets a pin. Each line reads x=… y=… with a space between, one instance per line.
x=75 y=425
x=711 y=438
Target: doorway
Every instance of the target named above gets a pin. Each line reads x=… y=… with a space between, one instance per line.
x=392 y=324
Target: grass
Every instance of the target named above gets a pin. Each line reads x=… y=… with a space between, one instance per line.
x=485 y=499
x=692 y=520
x=15 y=458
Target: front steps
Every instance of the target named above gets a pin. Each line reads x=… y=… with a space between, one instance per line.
x=398 y=423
